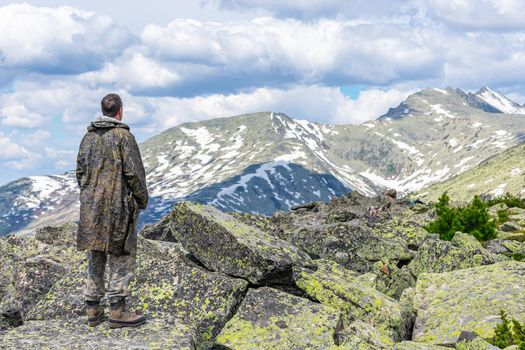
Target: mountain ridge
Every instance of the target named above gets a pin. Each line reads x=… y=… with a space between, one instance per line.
x=444 y=136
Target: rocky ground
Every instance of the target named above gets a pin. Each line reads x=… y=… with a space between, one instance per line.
x=354 y=273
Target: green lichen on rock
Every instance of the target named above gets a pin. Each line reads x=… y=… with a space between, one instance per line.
x=333 y=285
x=475 y=344
x=466 y=241
x=271 y=319
x=351 y=244
x=29 y=267
x=74 y=334
x=165 y=285
x=410 y=345
x=436 y=255
x=467 y=300
x=225 y=244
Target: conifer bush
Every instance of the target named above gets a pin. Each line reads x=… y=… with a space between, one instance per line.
x=472 y=218
x=509 y=332
x=509 y=199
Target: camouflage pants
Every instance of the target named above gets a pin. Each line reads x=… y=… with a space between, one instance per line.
x=121 y=268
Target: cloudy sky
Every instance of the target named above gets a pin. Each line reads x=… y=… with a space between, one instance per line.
x=177 y=61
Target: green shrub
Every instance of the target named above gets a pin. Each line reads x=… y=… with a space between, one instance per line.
x=509 y=333
x=503 y=216
x=473 y=218
x=509 y=199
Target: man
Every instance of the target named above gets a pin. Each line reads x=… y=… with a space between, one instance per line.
x=112 y=185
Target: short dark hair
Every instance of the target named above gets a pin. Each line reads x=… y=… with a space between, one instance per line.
x=111 y=103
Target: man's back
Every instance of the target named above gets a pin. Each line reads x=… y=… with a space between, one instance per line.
x=112 y=185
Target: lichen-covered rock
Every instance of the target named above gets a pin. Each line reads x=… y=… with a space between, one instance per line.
x=515 y=235
x=475 y=344
x=29 y=268
x=165 y=285
x=410 y=345
x=405 y=231
x=58 y=235
x=493 y=210
x=392 y=280
x=467 y=300
x=351 y=244
x=466 y=241
x=74 y=334
x=510 y=226
x=273 y=320
x=333 y=285
x=161 y=231
x=360 y=335
x=436 y=255
x=225 y=244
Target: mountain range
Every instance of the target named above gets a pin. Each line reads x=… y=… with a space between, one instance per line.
x=267 y=161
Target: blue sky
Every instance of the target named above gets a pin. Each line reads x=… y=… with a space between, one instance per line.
x=177 y=61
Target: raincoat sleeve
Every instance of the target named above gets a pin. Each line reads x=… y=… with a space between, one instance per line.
x=80 y=171
x=133 y=169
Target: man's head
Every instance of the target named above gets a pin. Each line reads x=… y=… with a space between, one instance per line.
x=112 y=106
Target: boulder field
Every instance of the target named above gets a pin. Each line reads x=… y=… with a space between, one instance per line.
x=353 y=273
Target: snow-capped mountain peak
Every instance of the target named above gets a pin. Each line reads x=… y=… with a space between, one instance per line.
x=500 y=102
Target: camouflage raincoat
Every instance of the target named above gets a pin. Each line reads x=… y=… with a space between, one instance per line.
x=112 y=184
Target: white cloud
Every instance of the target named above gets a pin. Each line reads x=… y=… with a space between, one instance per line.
x=319 y=8
x=57 y=40
x=481 y=14
x=11 y=150
x=17 y=115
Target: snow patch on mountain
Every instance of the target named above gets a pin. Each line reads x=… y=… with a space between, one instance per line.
x=500 y=102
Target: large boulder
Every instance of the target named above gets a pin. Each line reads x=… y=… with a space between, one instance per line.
x=467 y=300
x=333 y=285
x=272 y=319
x=166 y=285
x=436 y=255
x=29 y=268
x=74 y=334
x=351 y=244
x=410 y=345
x=225 y=244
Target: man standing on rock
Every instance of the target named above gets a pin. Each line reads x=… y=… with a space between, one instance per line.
x=113 y=189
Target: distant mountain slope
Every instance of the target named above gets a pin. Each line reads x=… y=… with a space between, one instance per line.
x=263 y=162
x=497 y=175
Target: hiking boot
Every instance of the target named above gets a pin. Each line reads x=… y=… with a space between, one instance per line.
x=119 y=317
x=95 y=313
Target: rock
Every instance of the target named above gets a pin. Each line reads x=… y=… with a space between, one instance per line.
x=165 y=285
x=161 y=231
x=510 y=226
x=436 y=255
x=271 y=319
x=466 y=241
x=225 y=244
x=360 y=335
x=493 y=210
x=410 y=345
x=497 y=246
x=467 y=300
x=335 y=286
x=28 y=269
x=475 y=344
x=31 y=281
x=408 y=233
x=514 y=236
x=74 y=334
x=392 y=280
x=59 y=235
x=351 y=244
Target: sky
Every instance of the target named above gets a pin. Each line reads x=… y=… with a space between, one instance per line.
x=178 y=61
